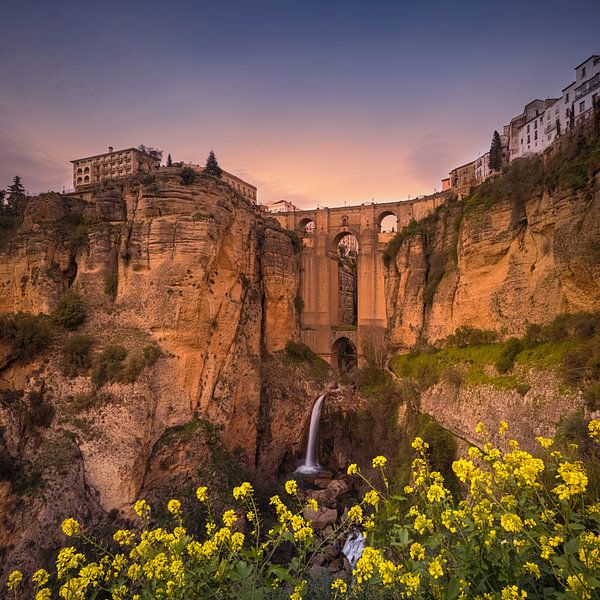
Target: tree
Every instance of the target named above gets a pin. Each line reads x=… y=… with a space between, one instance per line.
x=495 y=162
x=155 y=152
x=212 y=166
x=16 y=197
x=169 y=161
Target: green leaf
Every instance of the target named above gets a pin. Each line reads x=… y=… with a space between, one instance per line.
x=453 y=589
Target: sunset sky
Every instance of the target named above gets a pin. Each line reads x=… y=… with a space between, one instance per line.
x=314 y=102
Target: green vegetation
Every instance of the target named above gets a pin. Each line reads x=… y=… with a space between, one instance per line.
x=188 y=175
x=77 y=354
x=297 y=353
x=82 y=403
x=108 y=365
x=152 y=353
x=495 y=163
x=74 y=228
x=411 y=230
x=571 y=168
x=70 y=312
x=569 y=345
x=26 y=335
x=212 y=166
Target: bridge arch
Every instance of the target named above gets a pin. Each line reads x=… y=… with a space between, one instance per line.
x=344 y=355
x=306 y=226
x=346 y=238
x=387 y=222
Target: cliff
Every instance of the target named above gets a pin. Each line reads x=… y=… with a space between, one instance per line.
x=521 y=249
x=186 y=288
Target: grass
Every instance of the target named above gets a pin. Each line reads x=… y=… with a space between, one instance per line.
x=297 y=353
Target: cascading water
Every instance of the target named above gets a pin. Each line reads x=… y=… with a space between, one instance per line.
x=311 y=462
x=354 y=546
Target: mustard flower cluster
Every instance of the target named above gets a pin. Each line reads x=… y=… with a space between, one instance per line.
x=524 y=527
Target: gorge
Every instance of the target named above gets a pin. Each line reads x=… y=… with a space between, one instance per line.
x=207 y=325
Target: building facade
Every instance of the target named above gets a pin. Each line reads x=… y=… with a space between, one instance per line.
x=281 y=206
x=112 y=165
x=243 y=187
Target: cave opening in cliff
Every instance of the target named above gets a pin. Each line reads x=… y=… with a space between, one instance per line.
x=345 y=355
x=347 y=257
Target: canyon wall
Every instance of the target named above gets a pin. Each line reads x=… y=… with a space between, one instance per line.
x=497 y=266
x=194 y=269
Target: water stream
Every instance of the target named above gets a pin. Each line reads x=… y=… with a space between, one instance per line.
x=354 y=546
x=311 y=462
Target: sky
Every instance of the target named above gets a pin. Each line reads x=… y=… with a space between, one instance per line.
x=319 y=103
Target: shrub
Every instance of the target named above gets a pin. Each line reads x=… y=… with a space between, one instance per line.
x=573 y=366
x=39 y=413
x=506 y=360
x=299 y=353
x=188 y=175
x=470 y=336
x=152 y=353
x=27 y=335
x=77 y=354
x=453 y=377
x=108 y=366
x=135 y=365
x=70 y=312
x=592 y=397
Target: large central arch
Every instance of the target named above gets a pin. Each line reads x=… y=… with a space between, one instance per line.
x=322 y=231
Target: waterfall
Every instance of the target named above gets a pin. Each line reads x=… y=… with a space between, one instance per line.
x=354 y=546
x=311 y=462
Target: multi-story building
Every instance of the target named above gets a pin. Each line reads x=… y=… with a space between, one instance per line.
x=112 y=165
x=524 y=130
x=579 y=97
x=281 y=206
x=462 y=179
x=243 y=187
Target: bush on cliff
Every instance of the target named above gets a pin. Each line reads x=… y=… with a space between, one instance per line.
x=70 y=312
x=77 y=354
x=525 y=526
x=300 y=354
x=108 y=365
x=26 y=335
x=188 y=175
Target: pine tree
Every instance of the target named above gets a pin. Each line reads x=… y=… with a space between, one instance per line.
x=169 y=161
x=495 y=162
x=212 y=166
x=16 y=197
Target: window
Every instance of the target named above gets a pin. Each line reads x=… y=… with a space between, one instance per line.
x=582 y=106
x=535 y=124
x=582 y=71
x=566 y=98
x=535 y=136
x=528 y=139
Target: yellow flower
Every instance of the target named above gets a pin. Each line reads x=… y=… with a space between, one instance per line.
x=435 y=493
x=511 y=522
x=43 y=594
x=544 y=442
x=480 y=429
x=353 y=469
x=142 y=509
x=419 y=445
x=174 y=507
x=503 y=427
x=513 y=593
x=422 y=523
x=417 y=551
x=578 y=586
x=436 y=567
x=339 y=585
x=14 y=580
x=297 y=593
x=124 y=537
x=202 y=493
x=71 y=527
x=574 y=478
x=237 y=541
x=594 y=429
x=464 y=469
x=68 y=559
x=356 y=514
x=372 y=498
x=408 y=489
x=291 y=487
x=312 y=504
x=533 y=569
x=229 y=518
x=379 y=461
x=411 y=581
x=40 y=577
x=242 y=491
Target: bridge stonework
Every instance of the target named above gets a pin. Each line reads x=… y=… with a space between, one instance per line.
x=321 y=327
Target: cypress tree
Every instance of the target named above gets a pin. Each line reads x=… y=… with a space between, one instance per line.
x=495 y=162
x=169 y=161
x=212 y=166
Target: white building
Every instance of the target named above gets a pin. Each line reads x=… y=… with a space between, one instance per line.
x=281 y=206
x=578 y=98
x=482 y=168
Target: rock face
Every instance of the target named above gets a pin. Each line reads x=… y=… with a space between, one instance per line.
x=193 y=268
x=498 y=268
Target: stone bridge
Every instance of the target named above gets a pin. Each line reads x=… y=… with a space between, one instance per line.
x=322 y=229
